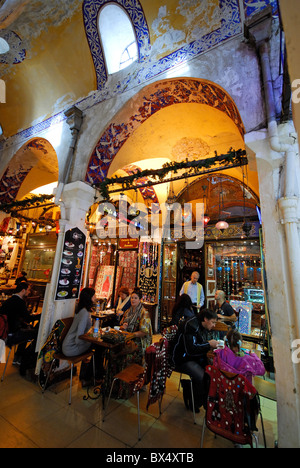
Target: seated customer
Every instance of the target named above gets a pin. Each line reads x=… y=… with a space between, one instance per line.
x=136 y=320
x=19 y=320
x=194 y=340
x=182 y=309
x=225 y=311
x=72 y=344
x=233 y=359
x=122 y=304
x=22 y=277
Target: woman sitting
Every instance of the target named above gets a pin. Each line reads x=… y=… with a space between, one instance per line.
x=183 y=309
x=122 y=304
x=73 y=345
x=136 y=320
x=233 y=359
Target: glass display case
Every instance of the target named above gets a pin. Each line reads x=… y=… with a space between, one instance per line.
x=235 y=267
x=169 y=276
x=39 y=256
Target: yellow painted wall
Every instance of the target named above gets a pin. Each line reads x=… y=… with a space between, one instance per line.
x=45 y=82
x=169 y=18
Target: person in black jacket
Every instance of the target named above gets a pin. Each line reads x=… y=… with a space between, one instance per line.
x=194 y=339
x=182 y=309
x=19 y=320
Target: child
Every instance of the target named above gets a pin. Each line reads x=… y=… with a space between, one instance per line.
x=232 y=359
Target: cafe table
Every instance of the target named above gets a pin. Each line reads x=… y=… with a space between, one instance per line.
x=103 y=316
x=108 y=347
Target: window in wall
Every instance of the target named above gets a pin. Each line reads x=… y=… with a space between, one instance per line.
x=117 y=38
x=4 y=46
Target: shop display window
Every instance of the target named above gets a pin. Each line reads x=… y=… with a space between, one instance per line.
x=39 y=256
x=235 y=268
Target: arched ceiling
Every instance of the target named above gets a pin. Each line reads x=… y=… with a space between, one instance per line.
x=176 y=133
x=34 y=165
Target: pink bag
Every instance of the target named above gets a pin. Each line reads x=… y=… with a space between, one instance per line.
x=248 y=365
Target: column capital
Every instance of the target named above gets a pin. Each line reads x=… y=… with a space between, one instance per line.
x=76 y=198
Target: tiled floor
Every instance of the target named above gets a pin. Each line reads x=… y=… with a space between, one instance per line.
x=30 y=419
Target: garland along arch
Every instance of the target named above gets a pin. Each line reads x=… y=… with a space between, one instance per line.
x=193 y=168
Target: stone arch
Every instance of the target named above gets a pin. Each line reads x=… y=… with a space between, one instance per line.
x=148 y=102
x=33 y=165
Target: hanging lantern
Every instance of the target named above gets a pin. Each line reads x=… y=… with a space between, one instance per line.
x=247 y=228
x=222 y=225
x=206 y=219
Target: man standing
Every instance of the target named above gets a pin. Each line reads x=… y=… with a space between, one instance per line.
x=225 y=311
x=19 y=319
x=194 y=290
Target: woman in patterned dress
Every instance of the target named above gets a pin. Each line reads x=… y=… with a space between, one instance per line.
x=136 y=320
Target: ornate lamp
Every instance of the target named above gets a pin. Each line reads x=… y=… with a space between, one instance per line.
x=206 y=217
x=222 y=224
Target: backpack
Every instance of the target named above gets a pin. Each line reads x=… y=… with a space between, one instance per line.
x=3 y=327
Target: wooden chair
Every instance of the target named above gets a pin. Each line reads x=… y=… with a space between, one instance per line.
x=11 y=346
x=132 y=375
x=232 y=408
x=170 y=333
x=70 y=359
x=221 y=326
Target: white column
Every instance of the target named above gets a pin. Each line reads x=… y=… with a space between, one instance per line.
x=75 y=200
x=281 y=247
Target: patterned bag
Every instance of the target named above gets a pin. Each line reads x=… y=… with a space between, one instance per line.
x=231 y=409
x=52 y=345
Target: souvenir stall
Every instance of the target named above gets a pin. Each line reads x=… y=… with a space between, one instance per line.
x=101 y=269
x=29 y=230
x=148 y=278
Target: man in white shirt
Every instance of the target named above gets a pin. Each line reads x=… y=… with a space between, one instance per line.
x=194 y=290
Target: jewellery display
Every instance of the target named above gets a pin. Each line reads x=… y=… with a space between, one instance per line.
x=148 y=280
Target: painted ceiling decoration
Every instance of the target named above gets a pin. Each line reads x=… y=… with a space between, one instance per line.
x=148 y=193
x=167 y=93
x=36 y=154
x=22 y=21
x=10 y=184
x=229 y=22
x=16 y=53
